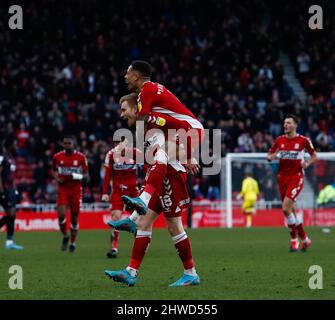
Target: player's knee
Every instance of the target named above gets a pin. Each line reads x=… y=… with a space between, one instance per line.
x=61 y=219
x=74 y=225
x=11 y=213
x=175 y=228
x=144 y=226
x=286 y=210
x=74 y=220
x=116 y=215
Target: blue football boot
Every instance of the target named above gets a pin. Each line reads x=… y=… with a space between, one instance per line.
x=121 y=276
x=124 y=225
x=135 y=204
x=186 y=280
x=13 y=246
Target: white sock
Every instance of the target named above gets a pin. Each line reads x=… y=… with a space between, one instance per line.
x=134 y=216
x=133 y=272
x=191 y=272
x=179 y=237
x=145 y=197
x=291 y=219
x=9 y=242
x=305 y=240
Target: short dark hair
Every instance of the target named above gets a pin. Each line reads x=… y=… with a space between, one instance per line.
x=143 y=67
x=292 y=116
x=69 y=137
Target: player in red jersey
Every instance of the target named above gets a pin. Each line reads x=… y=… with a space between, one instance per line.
x=122 y=173
x=290 y=148
x=69 y=169
x=154 y=97
x=173 y=200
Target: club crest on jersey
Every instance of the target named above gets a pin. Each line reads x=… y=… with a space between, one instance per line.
x=282 y=146
x=296 y=146
x=75 y=162
x=62 y=162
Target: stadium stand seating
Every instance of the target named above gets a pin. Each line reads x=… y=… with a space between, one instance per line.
x=68 y=76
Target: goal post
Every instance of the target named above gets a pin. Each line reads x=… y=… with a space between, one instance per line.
x=317 y=177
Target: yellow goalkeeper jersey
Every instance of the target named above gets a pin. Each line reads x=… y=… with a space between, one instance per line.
x=249 y=189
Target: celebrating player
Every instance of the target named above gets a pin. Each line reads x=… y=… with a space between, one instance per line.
x=69 y=169
x=173 y=200
x=249 y=194
x=123 y=175
x=8 y=192
x=290 y=147
x=156 y=120
x=154 y=97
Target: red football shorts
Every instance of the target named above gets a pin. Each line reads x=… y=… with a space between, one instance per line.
x=116 y=201
x=70 y=196
x=173 y=198
x=291 y=186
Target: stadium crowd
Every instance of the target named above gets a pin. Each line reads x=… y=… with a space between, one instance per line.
x=63 y=73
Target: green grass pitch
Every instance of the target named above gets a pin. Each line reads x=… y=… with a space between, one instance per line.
x=233 y=264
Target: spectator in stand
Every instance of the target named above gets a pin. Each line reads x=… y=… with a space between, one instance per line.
x=303 y=60
x=22 y=136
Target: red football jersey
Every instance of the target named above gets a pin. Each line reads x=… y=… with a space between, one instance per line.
x=67 y=164
x=291 y=152
x=154 y=97
x=123 y=172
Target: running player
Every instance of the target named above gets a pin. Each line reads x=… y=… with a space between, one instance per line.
x=290 y=148
x=69 y=169
x=8 y=192
x=122 y=173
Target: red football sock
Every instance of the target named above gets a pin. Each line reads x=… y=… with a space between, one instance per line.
x=115 y=242
x=183 y=246
x=293 y=230
x=301 y=232
x=155 y=178
x=140 y=247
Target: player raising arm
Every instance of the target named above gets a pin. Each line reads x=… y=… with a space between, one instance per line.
x=69 y=169
x=290 y=148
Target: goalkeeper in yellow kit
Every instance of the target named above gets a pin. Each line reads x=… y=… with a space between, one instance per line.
x=249 y=194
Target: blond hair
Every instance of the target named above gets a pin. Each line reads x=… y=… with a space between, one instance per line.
x=131 y=98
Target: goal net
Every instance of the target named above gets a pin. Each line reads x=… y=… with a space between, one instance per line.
x=315 y=204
